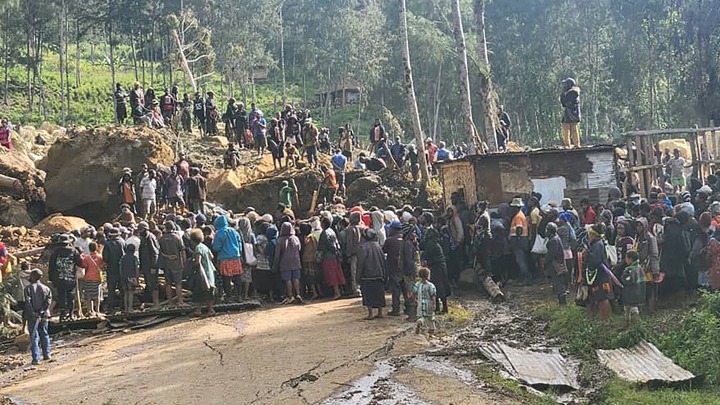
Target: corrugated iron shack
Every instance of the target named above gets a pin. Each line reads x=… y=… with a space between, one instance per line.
x=586 y=172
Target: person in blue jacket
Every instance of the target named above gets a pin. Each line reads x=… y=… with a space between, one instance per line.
x=228 y=248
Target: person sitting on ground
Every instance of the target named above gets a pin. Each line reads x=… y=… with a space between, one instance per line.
x=231 y=160
x=37 y=311
x=291 y=155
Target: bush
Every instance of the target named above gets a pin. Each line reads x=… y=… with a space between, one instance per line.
x=695 y=344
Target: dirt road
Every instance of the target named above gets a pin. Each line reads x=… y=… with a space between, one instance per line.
x=315 y=353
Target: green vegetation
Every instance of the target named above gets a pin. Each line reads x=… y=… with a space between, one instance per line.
x=490 y=376
x=689 y=338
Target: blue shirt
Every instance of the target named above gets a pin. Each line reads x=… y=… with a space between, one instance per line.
x=444 y=154
x=339 y=161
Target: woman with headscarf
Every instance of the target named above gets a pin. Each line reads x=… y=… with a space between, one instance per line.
x=329 y=255
x=650 y=259
x=248 y=238
x=371 y=273
x=432 y=253
x=228 y=245
x=377 y=221
x=555 y=263
x=594 y=276
x=287 y=260
x=264 y=278
x=673 y=259
x=309 y=241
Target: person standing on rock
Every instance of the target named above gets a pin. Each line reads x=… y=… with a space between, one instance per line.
x=329 y=183
x=196 y=188
x=174 y=185
x=37 y=311
x=126 y=190
x=228 y=246
x=171 y=260
x=376 y=134
x=241 y=125
x=149 y=252
x=62 y=274
x=113 y=250
x=120 y=107
x=149 y=195
x=309 y=136
x=167 y=106
x=137 y=103
x=339 y=163
x=287 y=194
x=211 y=114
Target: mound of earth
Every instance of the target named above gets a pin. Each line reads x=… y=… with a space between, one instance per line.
x=14 y=212
x=388 y=187
x=59 y=224
x=84 y=167
x=23 y=186
x=20 y=238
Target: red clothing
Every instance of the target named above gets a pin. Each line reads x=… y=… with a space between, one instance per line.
x=713 y=254
x=331 y=182
x=92 y=264
x=590 y=217
x=332 y=273
x=431 y=150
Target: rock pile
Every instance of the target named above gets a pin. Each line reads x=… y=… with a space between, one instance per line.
x=83 y=167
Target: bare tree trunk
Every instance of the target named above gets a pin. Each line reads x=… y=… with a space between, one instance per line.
x=411 y=100
x=6 y=56
x=77 y=54
x=111 y=60
x=61 y=55
x=471 y=134
x=184 y=62
x=282 y=55
x=488 y=98
x=436 y=117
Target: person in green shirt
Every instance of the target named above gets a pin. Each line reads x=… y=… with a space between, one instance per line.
x=286 y=194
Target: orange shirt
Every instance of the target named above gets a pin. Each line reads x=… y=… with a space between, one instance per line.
x=128 y=193
x=331 y=182
x=519 y=220
x=92 y=264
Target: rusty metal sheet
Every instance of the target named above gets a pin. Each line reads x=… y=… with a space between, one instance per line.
x=534 y=368
x=643 y=363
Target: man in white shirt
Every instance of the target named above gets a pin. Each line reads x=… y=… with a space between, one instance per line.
x=148 y=187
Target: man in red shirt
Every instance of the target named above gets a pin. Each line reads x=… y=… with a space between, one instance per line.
x=588 y=213
x=330 y=183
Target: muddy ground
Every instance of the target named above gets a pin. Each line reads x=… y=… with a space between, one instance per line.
x=317 y=353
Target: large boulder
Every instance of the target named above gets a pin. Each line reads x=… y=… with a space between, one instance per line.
x=59 y=224
x=84 y=167
x=14 y=212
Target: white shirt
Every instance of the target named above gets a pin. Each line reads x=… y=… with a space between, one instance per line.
x=148 y=187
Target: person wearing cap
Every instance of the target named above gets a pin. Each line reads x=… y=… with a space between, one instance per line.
x=62 y=274
x=567 y=206
x=519 y=238
x=126 y=190
x=113 y=250
x=37 y=311
x=570 y=101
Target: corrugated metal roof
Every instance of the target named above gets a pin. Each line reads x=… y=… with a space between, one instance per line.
x=534 y=368
x=585 y=149
x=643 y=363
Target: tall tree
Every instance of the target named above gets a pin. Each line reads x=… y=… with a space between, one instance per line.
x=471 y=134
x=410 y=94
x=488 y=97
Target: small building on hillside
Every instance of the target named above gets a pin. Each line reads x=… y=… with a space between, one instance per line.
x=587 y=172
x=347 y=92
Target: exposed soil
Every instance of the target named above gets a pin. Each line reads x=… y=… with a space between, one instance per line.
x=316 y=353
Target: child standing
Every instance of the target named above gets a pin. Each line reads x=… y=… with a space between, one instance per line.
x=425 y=294
x=129 y=273
x=93 y=263
x=633 y=293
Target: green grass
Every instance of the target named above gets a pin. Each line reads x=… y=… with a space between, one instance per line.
x=690 y=337
x=618 y=392
x=489 y=375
